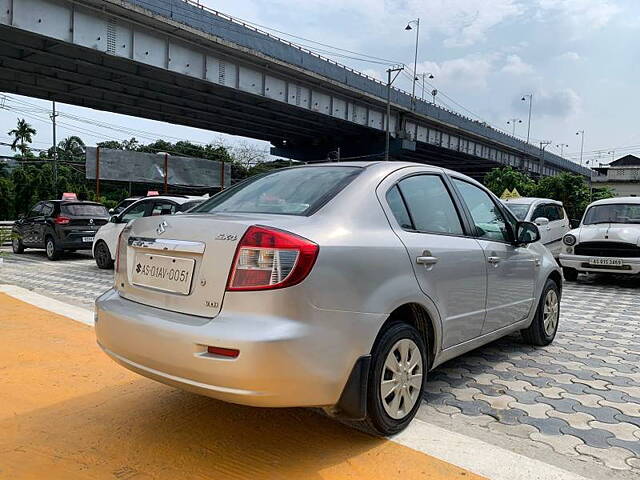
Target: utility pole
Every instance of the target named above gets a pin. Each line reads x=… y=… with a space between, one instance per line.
x=390 y=81
x=55 y=148
x=544 y=144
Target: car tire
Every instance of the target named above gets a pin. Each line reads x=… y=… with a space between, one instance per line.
x=102 y=256
x=17 y=246
x=53 y=252
x=544 y=326
x=570 y=274
x=391 y=414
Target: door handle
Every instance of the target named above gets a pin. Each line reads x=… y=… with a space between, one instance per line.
x=427 y=260
x=493 y=260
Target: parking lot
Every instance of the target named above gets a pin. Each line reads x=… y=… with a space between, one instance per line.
x=574 y=404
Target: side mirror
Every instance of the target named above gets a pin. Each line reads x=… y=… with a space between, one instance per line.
x=574 y=222
x=527 y=232
x=111 y=211
x=541 y=221
x=114 y=219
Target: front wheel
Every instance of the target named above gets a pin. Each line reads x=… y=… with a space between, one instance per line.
x=103 y=256
x=396 y=380
x=544 y=326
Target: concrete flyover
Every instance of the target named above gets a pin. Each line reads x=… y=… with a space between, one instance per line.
x=174 y=61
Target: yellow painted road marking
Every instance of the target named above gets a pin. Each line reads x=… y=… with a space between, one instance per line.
x=67 y=411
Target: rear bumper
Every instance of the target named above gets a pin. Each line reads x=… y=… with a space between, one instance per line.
x=631 y=266
x=282 y=362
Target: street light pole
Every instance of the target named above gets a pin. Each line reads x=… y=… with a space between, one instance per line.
x=512 y=122
x=424 y=82
x=524 y=98
x=415 y=58
x=581 y=133
x=390 y=81
x=561 y=147
x=54 y=115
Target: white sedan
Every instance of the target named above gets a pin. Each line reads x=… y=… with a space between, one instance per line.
x=607 y=240
x=104 y=243
x=549 y=215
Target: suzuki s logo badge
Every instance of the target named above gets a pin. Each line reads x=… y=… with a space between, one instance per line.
x=91 y=221
x=162 y=228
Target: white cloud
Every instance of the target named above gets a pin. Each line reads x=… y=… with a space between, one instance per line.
x=570 y=57
x=581 y=14
x=514 y=65
x=560 y=103
x=469 y=71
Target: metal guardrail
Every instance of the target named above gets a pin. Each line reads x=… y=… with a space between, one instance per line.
x=5 y=230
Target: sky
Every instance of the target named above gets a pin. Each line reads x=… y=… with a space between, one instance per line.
x=579 y=58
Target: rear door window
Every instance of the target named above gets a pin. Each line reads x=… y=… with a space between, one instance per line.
x=36 y=211
x=290 y=191
x=84 y=210
x=163 y=208
x=429 y=204
x=136 y=210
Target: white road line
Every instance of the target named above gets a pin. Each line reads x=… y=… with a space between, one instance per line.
x=479 y=457
x=78 y=314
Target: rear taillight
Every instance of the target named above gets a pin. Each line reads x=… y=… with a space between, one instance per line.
x=269 y=258
x=119 y=248
x=60 y=220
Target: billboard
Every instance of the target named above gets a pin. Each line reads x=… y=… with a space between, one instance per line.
x=128 y=166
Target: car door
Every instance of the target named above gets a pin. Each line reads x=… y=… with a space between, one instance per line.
x=511 y=269
x=542 y=211
x=449 y=265
x=27 y=227
x=39 y=224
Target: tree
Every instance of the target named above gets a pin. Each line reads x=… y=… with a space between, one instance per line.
x=71 y=149
x=7 y=199
x=501 y=178
x=22 y=135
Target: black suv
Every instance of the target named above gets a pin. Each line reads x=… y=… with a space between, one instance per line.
x=59 y=225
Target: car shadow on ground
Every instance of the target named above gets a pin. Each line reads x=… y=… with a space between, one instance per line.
x=65 y=256
x=621 y=281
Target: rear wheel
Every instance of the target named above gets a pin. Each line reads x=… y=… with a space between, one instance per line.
x=53 y=252
x=396 y=379
x=570 y=274
x=103 y=256
x=543 y=329
x=17 y=246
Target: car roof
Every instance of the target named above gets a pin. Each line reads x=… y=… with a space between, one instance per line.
x=614 y=200
x=75 y=202
x=530 y=200
x=175 y=198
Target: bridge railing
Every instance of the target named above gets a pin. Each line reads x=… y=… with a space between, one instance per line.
x=170 y=7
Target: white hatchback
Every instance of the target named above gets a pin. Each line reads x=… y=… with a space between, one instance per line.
x=104 y=243
x=549 y=215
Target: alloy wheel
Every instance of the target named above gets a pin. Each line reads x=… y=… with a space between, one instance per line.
x=50 y=248
x=550 y=312
x=401 y=380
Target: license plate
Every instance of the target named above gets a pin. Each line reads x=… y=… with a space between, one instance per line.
x=169 y=274
x=87 y=239
x=612 y=262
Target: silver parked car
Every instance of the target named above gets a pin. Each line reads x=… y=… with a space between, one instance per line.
x=332 y=285
x=607 y=240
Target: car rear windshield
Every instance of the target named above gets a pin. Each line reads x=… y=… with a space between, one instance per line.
x=520 y=210
x=613 y=213
x=84 y=210
x=291 y=191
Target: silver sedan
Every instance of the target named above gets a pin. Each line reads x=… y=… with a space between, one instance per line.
x=334 y=285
